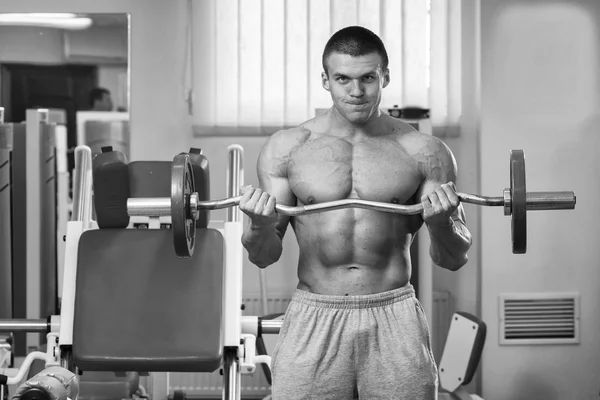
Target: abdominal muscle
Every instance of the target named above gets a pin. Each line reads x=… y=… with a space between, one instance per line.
x=353 y=251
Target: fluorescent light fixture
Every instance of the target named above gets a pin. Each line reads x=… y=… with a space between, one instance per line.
x=47 y=20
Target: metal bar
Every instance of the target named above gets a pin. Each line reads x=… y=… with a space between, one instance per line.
x=62 y=201
x=551 y=201
x=535 y=201
x=481 y=200
x=149 y=207
x=270 y=326
x=1 y=115
x=235 y=179
x=82 y=185
x=231 y=388
x=327 y=206
x=139 y=206
x=23 y=325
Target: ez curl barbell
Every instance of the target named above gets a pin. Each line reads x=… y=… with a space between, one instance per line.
x=184 y=204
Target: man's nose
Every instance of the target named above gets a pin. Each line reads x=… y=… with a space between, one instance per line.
x=356 y=89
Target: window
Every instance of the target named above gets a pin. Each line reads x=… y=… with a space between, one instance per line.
x=257 y=63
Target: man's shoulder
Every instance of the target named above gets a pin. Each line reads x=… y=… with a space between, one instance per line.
x=427 y=150
x=416 y=142
x=281 y=143
x=399 y=126
x=290 y=135
x=406 y=134
x=287 y=139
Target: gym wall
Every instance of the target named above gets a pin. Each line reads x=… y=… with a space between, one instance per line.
x=540 y=83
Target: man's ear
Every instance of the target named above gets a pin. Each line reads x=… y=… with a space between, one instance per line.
x=386 y=77
x=325 y=80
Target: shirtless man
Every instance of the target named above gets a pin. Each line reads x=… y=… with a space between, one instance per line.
x=354 y=328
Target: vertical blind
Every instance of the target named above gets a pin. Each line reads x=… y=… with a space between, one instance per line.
x=257 y=63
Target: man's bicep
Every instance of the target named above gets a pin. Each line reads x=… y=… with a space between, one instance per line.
x=434 y=178
x=279 y=188
x=439 y=167
x=272 y=178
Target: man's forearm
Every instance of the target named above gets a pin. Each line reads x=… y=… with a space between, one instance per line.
x=263 y=245
x=449 y=245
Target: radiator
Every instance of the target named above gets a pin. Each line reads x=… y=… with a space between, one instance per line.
x=256 y=386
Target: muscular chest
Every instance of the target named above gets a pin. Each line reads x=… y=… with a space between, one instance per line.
x=329 y=169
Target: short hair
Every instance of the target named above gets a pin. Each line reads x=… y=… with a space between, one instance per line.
x=97 y=94
x=355 y=41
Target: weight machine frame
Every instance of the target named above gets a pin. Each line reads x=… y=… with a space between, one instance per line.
x=239 y=333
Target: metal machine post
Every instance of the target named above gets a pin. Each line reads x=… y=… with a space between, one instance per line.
x=232 y=323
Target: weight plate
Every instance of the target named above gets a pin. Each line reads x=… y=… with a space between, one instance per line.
x=518 y=192
x=183 y=224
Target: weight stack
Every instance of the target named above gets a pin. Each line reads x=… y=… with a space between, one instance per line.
x=13 y=236
x=6 y=145
x=48 y=215
x=33 y=228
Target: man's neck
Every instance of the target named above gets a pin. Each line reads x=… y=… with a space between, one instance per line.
x=340 y=126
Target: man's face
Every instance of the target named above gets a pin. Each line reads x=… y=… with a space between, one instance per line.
x=355 y=84
x=105 y=104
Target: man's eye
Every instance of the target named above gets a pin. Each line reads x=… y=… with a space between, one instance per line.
x=342 y=79
x=368 y=78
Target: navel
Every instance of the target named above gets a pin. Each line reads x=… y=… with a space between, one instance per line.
x=395 y=200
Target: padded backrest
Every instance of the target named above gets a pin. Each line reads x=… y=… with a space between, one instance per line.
x=150 y=179
x=140 y=308
x=110 y=177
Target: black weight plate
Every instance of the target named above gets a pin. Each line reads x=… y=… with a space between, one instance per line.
x=518 y=192
x=182 y=222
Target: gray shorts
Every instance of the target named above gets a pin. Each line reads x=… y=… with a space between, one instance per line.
x=372 y=347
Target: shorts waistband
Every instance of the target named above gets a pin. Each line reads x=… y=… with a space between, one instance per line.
x=354 y=302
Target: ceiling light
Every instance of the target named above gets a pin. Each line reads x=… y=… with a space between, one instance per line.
x=50 y=20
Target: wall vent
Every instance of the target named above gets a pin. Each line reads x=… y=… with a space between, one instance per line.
x=539 y=318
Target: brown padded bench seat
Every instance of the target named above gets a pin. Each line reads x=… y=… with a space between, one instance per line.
x=140 y=308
